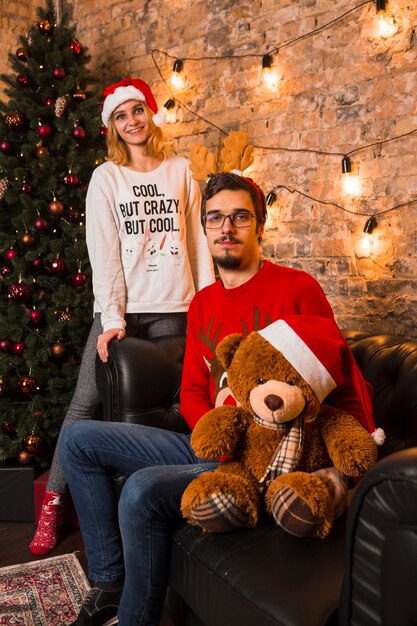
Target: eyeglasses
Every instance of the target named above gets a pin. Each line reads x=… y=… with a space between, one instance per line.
x=238 y=220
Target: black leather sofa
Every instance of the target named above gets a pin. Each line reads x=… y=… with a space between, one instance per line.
x=263 y=576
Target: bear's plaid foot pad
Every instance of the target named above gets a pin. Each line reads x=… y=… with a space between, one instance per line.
x=292 y=514
x=219 y=513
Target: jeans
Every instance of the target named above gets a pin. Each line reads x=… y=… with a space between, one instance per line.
x=129 y=539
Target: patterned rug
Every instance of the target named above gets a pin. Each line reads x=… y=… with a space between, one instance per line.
x=42 y=593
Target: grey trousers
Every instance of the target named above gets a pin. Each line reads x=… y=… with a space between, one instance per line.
x=85 y=401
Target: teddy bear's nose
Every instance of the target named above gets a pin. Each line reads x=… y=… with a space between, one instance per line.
x=273 y=402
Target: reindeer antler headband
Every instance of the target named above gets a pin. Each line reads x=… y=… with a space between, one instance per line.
x=237 y=155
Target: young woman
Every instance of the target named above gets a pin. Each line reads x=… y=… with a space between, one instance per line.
x=147 y=251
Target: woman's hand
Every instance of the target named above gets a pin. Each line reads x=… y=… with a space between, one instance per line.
x=104 y=340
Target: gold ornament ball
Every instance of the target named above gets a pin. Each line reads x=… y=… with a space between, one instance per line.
x=22 y=54
x=58 y=351
x=44 y=26
x=32 y=444
x=56 y=207
x=14 y=120
x=27 y=239
x=79 y=95
x=27 y=385
x=42 y=151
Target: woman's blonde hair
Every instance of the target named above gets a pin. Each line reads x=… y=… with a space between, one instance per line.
x=116 y=148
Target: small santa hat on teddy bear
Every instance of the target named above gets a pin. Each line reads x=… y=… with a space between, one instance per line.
x=130 y=89
x=315 y=347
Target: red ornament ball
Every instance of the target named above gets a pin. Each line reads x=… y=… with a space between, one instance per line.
x=24 y=458
x=19 y=292
x=71 y=180
x=32 y=444
x=41 y=224
x=11 y=254
x=5 y=270
x=36 y=316
x=75 y=46
x=26 y=188
x=3 y=389
x=23 y=80
x=79 y=279
x=103 y=131
x=56 y=207
x=19 y=347
x=79 y=132
x=57 y=266
x=27 y=385
x=6 y=345
x=44 y=130
x=38 y=263
x=59 y=73
x=74 y=216
x=48 y=102
x=6 y=146
x=8 y=429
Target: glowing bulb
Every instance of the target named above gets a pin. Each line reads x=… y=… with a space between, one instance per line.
x=364 y=246
x=385 y=25
x=351 y=185
x=177 y=78
x=170 y=111
x=269 y=76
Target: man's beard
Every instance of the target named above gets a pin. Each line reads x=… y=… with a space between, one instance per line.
x=228 y=262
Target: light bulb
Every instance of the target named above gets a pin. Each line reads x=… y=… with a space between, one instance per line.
x=351 y=185
x=269 y=76
x=385 y=25
x=364 y=246
x=178 y=78
x=170 y=111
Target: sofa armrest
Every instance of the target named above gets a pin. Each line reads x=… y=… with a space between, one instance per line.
x=381 y=551
x=141 y=380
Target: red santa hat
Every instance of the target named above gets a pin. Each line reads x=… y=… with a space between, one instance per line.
x=313 y=345
x=130 y=89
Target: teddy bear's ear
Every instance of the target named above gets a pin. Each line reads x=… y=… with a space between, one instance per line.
x=227 y=347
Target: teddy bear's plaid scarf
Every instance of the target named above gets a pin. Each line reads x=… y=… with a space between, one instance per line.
x=288 y=453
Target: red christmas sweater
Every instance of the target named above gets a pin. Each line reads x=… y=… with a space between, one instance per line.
x=274 y=292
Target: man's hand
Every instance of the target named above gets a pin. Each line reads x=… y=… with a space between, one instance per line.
x=104 y=340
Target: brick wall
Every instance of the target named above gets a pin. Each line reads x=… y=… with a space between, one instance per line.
x=339 y=90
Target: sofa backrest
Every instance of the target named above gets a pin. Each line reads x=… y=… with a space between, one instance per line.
x=389 y=363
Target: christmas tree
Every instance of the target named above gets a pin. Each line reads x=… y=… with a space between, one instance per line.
x=51 y=140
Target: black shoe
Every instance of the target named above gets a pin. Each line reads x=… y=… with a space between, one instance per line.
x=99 y=608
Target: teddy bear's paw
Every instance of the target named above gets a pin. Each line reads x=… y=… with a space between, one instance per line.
x=302 y=504
x=292 y=514
x=220 y=513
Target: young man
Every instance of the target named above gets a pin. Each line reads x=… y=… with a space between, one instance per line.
x=131 y=581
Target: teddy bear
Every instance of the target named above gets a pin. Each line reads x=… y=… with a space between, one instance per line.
x=281 y=445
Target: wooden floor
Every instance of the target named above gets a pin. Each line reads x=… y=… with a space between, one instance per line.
x=15 y=538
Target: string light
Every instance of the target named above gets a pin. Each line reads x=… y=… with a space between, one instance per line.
x=271 y=198
x=177 y=78
x=351 y=184
x=169 y=111
x=365 y=244
x=268 y=75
